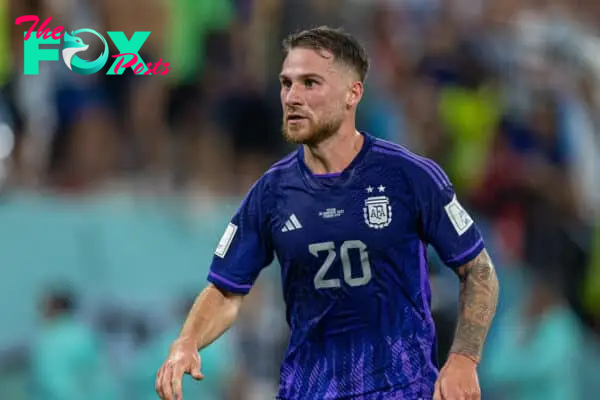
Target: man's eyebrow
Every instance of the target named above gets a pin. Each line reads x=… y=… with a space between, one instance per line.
x=311 y=75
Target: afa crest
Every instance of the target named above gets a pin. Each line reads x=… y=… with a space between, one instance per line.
x=377 y=212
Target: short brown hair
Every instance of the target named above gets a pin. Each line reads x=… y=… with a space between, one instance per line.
x=344 y=47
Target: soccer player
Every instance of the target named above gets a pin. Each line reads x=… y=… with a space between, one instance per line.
x=349 y=217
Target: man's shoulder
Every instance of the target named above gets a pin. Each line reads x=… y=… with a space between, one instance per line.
x=283 y=163
x=281 y=167
x=276 y=173
x=403 y=162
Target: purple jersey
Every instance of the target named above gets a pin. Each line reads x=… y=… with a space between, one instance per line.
x=352 y=249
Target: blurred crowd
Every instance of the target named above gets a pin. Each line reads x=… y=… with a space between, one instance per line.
x=505 y=95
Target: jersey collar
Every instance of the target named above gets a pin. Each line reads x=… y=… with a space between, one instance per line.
x=335 y=179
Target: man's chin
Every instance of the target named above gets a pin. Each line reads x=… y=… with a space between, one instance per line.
x=307 y=135
x=302 y=136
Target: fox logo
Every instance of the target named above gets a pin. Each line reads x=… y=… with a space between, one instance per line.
x=73 y=45
x=128 y=49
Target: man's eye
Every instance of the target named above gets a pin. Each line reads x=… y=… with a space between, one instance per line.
x=310 y=82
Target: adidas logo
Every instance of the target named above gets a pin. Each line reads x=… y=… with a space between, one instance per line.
x=291 y=224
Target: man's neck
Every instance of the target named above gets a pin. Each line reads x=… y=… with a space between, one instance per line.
x=334 y=154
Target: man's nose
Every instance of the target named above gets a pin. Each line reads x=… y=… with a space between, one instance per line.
x=293 y=96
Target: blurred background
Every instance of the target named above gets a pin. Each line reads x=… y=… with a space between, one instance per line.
x=115 y=189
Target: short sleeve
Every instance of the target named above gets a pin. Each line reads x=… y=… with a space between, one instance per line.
x=245 y=247
x=444 y=223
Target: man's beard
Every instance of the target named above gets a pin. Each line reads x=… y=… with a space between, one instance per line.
x=319 y=134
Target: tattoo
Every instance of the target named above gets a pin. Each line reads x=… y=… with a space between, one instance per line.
x=478 y=299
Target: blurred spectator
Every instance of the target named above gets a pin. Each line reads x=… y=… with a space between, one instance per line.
x=582 y=134
x=258 y=331
x=5 y=63
x=67 y=359
x=537 y=349
x=253 y=127
x=591 y=285
x=83 y=152
x=151 y=351
x=470 y=111
x=383 y=113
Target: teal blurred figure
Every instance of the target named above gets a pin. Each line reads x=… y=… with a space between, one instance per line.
x=67 y=359
x=536 y=350
x=216 y=366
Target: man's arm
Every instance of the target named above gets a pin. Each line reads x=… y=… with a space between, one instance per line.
x=213 y=313
x=478 y=299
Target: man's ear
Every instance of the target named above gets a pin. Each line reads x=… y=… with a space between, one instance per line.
x=355 y=94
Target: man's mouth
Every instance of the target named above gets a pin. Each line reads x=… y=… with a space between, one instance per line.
x=295 y=117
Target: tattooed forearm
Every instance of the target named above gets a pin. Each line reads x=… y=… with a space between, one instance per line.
x=478 y=300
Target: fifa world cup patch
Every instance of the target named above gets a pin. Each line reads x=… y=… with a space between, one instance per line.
x=226 y=240
x=460 y=218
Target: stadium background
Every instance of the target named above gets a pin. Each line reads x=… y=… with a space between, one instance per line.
x=116 y=189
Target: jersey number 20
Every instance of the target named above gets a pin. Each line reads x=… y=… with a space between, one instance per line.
x=329 y=247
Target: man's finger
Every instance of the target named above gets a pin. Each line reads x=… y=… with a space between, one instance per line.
x=437 y=394
x=474 y=394
x=196 y=373
x=162 y=389
x=175 y=383
x=165 y=383
x=196 y=370
x=157 y=383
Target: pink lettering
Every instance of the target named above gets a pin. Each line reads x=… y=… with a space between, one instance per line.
x=57 y=31
x=55 y=34
x=48 y=34
x=43 y=30
x=157 y=66
x=129 y=63
x=148 y=71
x=167 y=69
x=138 y=69
x=28 y=18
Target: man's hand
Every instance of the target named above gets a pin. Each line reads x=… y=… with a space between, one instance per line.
x=478 y=298
x=183 y=359
x=458 y=380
